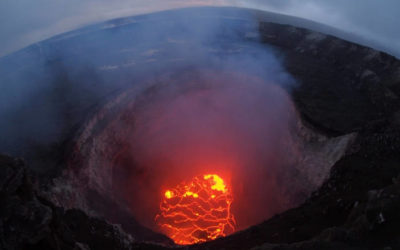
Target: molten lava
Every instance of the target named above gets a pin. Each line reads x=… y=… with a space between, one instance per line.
x=197 y=211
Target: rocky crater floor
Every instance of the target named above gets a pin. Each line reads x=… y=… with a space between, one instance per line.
x=356 y=208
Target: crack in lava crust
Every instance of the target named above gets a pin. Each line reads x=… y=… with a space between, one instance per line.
x=197 y=211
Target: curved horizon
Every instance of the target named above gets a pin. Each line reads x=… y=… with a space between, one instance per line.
x=27 y=23
x=266 y=16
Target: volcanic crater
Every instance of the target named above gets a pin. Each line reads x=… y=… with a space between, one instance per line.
x=293 y=132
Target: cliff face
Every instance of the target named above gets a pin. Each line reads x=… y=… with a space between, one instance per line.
x=341 y=88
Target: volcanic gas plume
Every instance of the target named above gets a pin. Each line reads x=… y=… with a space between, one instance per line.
x=213 y=109
x=230 y=125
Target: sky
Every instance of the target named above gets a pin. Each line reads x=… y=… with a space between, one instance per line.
x=23 y=22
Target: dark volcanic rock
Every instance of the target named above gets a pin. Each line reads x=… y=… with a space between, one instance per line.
x=28 y=221
x=343 y=85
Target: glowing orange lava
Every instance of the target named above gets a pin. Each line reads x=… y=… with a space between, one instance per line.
x=197 y=211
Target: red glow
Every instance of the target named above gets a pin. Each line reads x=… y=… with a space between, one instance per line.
x=197 y=211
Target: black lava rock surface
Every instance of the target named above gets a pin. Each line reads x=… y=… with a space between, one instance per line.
x=28 y=221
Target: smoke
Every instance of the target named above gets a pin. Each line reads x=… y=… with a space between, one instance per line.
x=196 y=91
x=217 y=103
x=214 y=122
x=53 y=86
